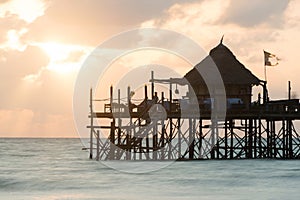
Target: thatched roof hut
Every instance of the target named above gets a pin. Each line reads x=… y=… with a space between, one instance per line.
x=232 y=71
x=237 y=79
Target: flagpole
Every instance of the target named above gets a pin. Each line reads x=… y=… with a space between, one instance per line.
x=265 y=70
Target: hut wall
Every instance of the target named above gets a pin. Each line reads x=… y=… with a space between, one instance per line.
x=243 y=92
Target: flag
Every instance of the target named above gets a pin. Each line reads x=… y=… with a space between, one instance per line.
x=270 y=59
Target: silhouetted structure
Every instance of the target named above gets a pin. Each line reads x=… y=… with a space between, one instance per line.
x=157 y=129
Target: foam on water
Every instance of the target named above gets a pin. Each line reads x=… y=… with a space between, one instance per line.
x=58 y=169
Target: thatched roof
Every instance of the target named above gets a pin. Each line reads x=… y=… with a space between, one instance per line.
x=232 y=71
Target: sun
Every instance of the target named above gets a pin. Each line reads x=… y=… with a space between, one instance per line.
x=56 y=51
x=59 y=55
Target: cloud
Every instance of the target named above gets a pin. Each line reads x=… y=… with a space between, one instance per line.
x=90 y=23
x=204 y=12
x=40 y=97
x=252 y=13
x=206 y=21
x=292 y=15
x=21 y=63
x=249 y=27
x=199 y=20
x=34 y=9
x=14 y=20
x=10 y=22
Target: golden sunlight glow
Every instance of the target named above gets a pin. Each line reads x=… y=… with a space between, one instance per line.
x=55 y=51
x=27 y=10
x=60 y=56
x=63 y=68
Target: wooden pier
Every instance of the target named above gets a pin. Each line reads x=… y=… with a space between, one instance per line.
x=264 y=131
x=164 y=128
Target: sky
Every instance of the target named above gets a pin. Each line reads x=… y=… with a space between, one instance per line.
x=44 y=43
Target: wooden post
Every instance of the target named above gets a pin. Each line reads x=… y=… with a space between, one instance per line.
x=140 y=149
x=288 y=139
x=162 y=131
x=154 y=140
x=200 y=137
x=260 y=138
x=162 y=141
x=218 y=143
x=119 y=119
x=147 y=136
x=170 y=139
x=217 y=138
x=92 y=123
x=98 y=144
x=290 y=134
x=129 y=136
x=226 y=140
x=141 y=141
x=170 y=96
x=147 y=147
x=155 y=126
x=120 y=151
x=152 y=84
x=111 y=98
x=274 y=139
x=289 y=90
x=268 y=139
x=271 y=139
x=112 y=140
x=255 y=137
x=171 y=125
x=284 y=140
x=179 y=138
x=212 y=153
x=231 y=138
x=191 y=139
x=246 y=139
x=250 y=134
x=146 y=92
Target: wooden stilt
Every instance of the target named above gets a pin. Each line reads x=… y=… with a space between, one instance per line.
x=92 y=123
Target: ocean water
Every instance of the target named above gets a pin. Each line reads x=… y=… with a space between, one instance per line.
x=59 y=169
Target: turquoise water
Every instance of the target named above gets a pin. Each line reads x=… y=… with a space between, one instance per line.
x=59 y=169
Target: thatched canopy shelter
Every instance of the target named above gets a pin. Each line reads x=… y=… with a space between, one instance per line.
x=232 y=71
x=237 y=79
